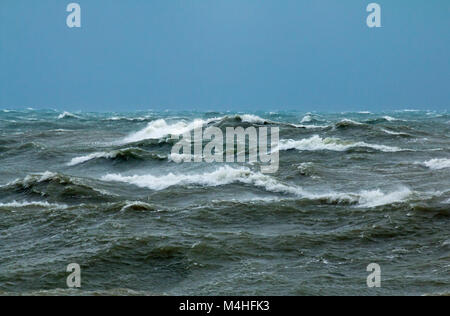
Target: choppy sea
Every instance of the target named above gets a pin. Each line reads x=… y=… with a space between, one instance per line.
x=101 y=190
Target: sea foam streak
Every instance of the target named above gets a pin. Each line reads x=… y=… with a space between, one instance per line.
x=316 y=143
x=15 y=204
x=228 y=175
x=437 y=164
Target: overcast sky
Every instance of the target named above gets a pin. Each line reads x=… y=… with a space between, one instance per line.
x=225 y=55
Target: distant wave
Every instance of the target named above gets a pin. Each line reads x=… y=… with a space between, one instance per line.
x=130 y=119
x=160 y=129
x=228 y=175
x=125 y=154
x=316 y=143
x=437 y=164
x=347 y=123
x=67 y=115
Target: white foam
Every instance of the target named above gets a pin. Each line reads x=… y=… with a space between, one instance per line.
x=437 y=164
x=228 y=175
x=316 y=143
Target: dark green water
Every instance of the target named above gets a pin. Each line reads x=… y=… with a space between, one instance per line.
x=101 y=190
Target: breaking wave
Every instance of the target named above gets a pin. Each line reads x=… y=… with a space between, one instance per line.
x=160 y=128
x=227 y=175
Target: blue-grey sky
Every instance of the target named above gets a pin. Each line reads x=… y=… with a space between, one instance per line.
x=225 y=54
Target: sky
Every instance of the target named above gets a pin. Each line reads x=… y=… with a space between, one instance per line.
x=243 y=55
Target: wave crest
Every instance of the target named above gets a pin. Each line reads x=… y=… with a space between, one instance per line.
x=123 y=154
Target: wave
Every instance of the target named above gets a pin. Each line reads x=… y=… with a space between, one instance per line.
x=160 y=128
x=124 y=154
x=38 y=178
x=437 y=164
x=56 y=185
x=67 y=115
x=345 y=123
x=227 y=175
x=316 y=143
x=137 y=206
x=376 y=198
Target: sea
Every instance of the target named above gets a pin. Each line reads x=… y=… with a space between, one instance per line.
x=101 y=190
